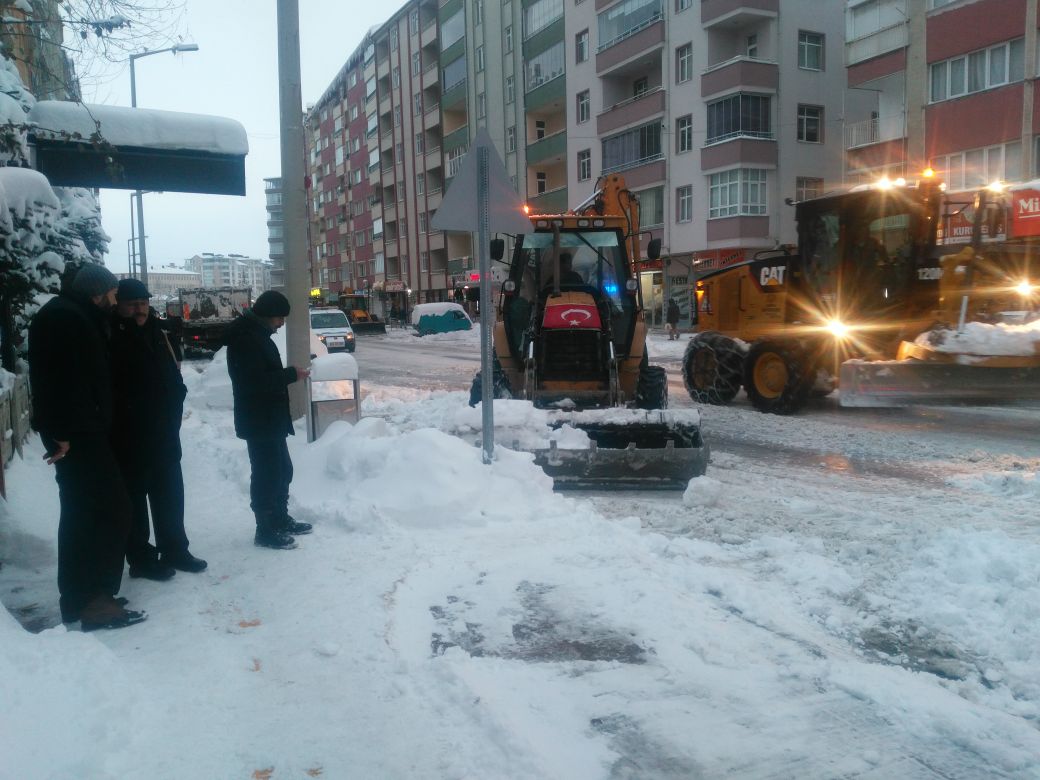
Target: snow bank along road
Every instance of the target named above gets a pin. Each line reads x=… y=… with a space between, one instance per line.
x=843 y=596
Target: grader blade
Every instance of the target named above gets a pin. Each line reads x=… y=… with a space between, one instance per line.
x=915 y=382
x=642 y=450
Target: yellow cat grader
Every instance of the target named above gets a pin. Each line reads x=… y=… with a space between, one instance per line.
x=881 y=293
x=571 y=338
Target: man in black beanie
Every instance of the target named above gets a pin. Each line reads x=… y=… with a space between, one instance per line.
x=72 y=411
x=260 y=386
x=149 y=403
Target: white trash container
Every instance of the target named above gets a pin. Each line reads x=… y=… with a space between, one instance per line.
x=334 y=391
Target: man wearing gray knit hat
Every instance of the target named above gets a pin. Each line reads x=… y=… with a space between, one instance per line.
x=72 y=411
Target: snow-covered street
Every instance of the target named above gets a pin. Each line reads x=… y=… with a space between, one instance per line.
x=845 y=594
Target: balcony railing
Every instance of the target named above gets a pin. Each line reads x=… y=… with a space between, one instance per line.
x=758 y=135
x=876 y=43
x=873 y=131
x=624 y=166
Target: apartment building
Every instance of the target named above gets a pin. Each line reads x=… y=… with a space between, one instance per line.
x=953 y=87
x=218 y=270
x=275 y=231
x=166 y=281
x=714 y=111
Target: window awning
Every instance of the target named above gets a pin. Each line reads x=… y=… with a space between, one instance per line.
x=114 y=147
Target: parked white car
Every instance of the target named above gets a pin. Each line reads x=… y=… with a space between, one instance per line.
x=332 y=328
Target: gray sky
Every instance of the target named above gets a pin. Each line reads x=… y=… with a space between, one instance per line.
x=234 y=74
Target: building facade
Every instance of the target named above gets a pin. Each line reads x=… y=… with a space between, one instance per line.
x=166 y=282
x=952 y=85
x=217 y=270
x=275 y=231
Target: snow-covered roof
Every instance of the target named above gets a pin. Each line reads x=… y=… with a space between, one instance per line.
x=140 y=127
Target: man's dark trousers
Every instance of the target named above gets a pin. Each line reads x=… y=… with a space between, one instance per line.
x=94 y=523
x=158 y=483
x=272 y=473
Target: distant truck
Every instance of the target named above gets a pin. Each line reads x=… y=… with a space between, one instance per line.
x=207 y=312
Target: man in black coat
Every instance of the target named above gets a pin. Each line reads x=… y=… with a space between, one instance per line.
x=148 y=394
x=260 y=386
x=72 y=411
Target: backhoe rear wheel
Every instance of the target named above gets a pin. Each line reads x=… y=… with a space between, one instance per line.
x=500 y=389
x=777 y=377
x=712 y=368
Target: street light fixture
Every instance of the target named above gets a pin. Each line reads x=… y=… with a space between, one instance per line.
x=177 y=48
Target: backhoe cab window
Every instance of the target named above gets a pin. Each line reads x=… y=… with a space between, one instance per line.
x=595 y=258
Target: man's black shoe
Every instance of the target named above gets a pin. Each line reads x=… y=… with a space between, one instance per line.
x=152 y=570
x=105 y=612
x=183 y=561
x=276 y=539
x=290 y=526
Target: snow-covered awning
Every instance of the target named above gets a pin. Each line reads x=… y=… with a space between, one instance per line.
x=116 y=147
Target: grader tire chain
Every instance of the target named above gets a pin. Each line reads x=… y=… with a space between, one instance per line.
x=712 y=368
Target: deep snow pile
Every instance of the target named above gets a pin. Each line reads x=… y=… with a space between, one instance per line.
x=451 y=619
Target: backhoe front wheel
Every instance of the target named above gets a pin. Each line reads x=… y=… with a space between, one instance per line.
x=652 y=388
x=777 y=377
x=712 y=368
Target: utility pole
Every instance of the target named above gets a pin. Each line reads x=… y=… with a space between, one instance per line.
x=294 y=201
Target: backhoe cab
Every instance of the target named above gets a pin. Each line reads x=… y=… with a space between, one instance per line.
x=571 y=336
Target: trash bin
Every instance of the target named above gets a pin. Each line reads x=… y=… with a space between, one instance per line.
x=334 y=391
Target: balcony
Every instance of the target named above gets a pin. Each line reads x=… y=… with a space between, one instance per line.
x=429 y=32
x=636 y=41
x=433 y=158
x=457 y=139
x=454 y=95
x=549 y=97
x=740 y=73
x=551 y=149
x=738 y=150
x=631 y=111
x=431 y=75
x=877 y=43
x=550 y=202
x=734 y=14
x=873 y=131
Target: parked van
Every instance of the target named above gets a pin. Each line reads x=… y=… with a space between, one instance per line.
x=332 y=328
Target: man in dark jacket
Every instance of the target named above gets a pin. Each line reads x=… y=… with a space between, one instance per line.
x=260 y=385
x=148 y=394
x=72 y=410
x=672 y=319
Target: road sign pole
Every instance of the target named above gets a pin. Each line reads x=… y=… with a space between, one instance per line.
x=487 y=311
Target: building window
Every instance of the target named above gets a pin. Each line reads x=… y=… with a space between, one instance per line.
x=420 y=183
x=508 y=36
x=422 y=221
x=979 y=70
x=413 y=20
x=510 y=90
x=454 y=73
x=682 y=5
x=625 y=19
x=395 y=77
x=480 y=59
x=684 y=63
x=684 y=134
x=640 y=86
x=417 y=103
x=453 y=29
x=751 y=46
x=424 y=261
x=481 y=106
x=739 y=192
x=540 y=15
x=539 y=129
x=583 y=102
x=631 y=148
x=416 y=64
x=806 y=187
x=977 y=167
x=393 y=39
x=455 y=160
x=684 y=204
x=420 y=143
x=478 y=11
x=581 y=46
x=810 y=124
x=544 y=67
x=739 y=115
x=511 y=139
x=651 y=207
x=354 y=112
x=397 y=116
x=810 y=50
x=540 y=182
x=585 y=165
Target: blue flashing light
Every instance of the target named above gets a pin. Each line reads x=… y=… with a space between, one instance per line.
x=610 y=289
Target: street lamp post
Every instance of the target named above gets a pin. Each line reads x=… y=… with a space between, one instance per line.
x=142 y=256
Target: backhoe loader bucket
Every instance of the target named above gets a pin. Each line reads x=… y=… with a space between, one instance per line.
x=628 y=450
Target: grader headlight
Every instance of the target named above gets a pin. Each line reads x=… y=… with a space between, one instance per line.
x=838 y=329
x=1025 y=288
